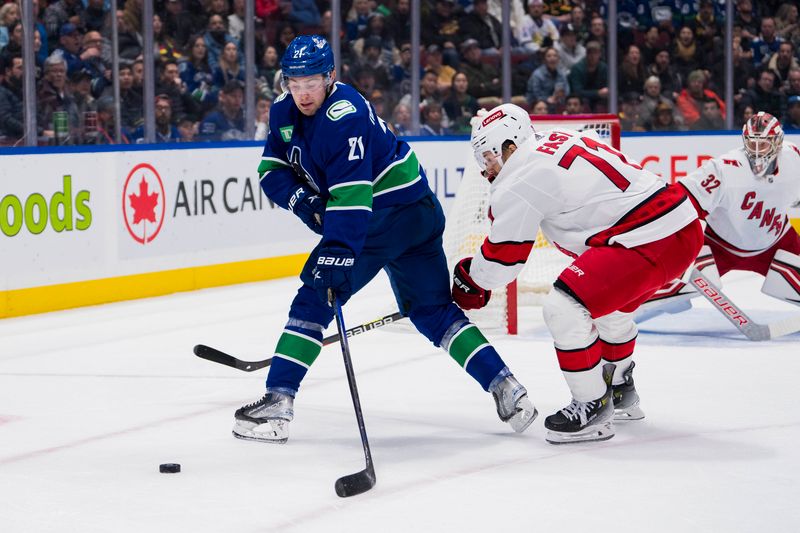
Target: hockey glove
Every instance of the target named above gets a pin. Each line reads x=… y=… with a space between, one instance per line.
x=334 y=270
x=308 y=207
x=466 y=293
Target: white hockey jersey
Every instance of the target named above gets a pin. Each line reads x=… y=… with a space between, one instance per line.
x=745 y=215
x=582 y=193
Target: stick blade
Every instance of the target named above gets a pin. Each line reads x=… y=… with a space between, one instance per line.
x=212 y=354
x=355 y=484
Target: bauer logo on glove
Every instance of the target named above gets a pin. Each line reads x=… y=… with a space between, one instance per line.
x=466 y=293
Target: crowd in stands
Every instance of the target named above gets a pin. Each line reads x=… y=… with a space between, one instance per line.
x=671 y=63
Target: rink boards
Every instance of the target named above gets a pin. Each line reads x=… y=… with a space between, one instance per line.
x=82 y=227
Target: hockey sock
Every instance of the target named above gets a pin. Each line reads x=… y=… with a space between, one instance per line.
x=620 y=354
x=582 y=371
x=297 y=349
x=470 y=349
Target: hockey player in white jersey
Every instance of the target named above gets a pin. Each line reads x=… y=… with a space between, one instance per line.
x=745 y=196
x=628 y=232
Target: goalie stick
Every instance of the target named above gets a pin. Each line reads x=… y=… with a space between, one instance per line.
x=751 y=329
x=218 y=356
x=363 y=480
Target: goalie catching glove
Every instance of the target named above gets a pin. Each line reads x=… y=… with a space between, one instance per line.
x=308 y=207
x=466 y=293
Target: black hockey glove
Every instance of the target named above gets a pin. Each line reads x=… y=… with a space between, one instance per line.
x=334 y=270
x=466 y=293
x=309 y=207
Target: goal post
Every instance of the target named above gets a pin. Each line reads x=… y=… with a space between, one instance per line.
x=468 y=225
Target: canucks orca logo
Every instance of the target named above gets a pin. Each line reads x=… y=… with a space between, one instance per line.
x=340 y=109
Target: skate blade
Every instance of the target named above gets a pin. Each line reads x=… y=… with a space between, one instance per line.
x=633 y=412
x=590 y=434
x=524 y=416
x=273 y=431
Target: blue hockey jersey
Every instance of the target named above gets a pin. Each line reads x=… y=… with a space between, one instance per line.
x=348 y=155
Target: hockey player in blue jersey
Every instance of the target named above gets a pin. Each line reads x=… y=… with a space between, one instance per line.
x=334 y=163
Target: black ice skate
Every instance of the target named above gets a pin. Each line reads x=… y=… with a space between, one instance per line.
x=584 y=421
x=513 y=405
x=266 y=420
x=626 y=399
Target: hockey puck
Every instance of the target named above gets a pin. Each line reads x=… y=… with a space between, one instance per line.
x=169 y=468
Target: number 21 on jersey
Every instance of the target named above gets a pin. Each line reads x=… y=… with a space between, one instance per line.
x=356 y=148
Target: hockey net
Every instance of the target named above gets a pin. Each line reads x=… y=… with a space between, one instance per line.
x=468 y=225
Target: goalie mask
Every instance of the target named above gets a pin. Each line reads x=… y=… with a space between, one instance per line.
x=490 y=130
x=763 y=138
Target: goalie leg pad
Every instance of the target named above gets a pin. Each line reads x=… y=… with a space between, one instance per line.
x=783 y=278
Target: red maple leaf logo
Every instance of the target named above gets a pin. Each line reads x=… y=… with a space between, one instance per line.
x=144 y=205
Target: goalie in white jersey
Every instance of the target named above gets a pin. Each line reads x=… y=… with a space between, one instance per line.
x=745 y=196
x=628 y=232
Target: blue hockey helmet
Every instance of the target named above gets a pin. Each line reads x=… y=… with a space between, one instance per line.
x=307 y=55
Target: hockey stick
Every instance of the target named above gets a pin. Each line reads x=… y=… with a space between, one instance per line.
x=751 y=329
x=218 y=356
x=364 y=480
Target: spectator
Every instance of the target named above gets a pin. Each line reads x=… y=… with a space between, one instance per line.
x=432 y=116
x=792 y=119
x=266 y=72
x=177 y=24
x=131 y=104
x=444 y=73
x=54 y=95
x=304 y=13
x=670 y=79
x=597 y=34
x=786 y=23
x=377 y=32
x=165 y=131
x=401 y=72
x=9 y=14
x=197 y=75
x=165 y=47
x=130 y=43
x=767 y=43
x=80 y=85
x=570 y=51
x=746 y=19
x=59 y=13
x=589 y=78
x=483 y=27
x=216 y=37
x=227 y=122
x=536 y=31
x=665 y=119
x=764 y=96
x=228 y=67
x=401 y=120
x=651 y=46
x=263 y=106
x=573 y=104
x=690 y=100
x=460 y=106
x=686 y=55
x=540 y=107
x=653 y=96
x=187 y=129
x=743 y=70
x=399 y=22
x=236 y=20
x=217 y=7
x=484 y=80
x=629 y=117
x=441 y=27
x=631 y=72
x=286 y=33
x=105 y=122
x=782 y=61
x=706 y=26
x=711 y=118
x=95 y=16
x=357 y=19
x=577 y=17
x=12 y=125
x=364 y=81
x=171 y=86
x=373 y=60
x=542 y=83
x=793 y=82
x=70 y=47
x=379 y=104
x=747 y=113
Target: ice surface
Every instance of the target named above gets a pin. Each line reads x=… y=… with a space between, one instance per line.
x=93 y=400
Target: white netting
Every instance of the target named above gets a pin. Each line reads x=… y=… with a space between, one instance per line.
x=468 y=225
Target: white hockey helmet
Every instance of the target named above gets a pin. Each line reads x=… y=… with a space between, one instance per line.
x=490 y=129
x=763 y=138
